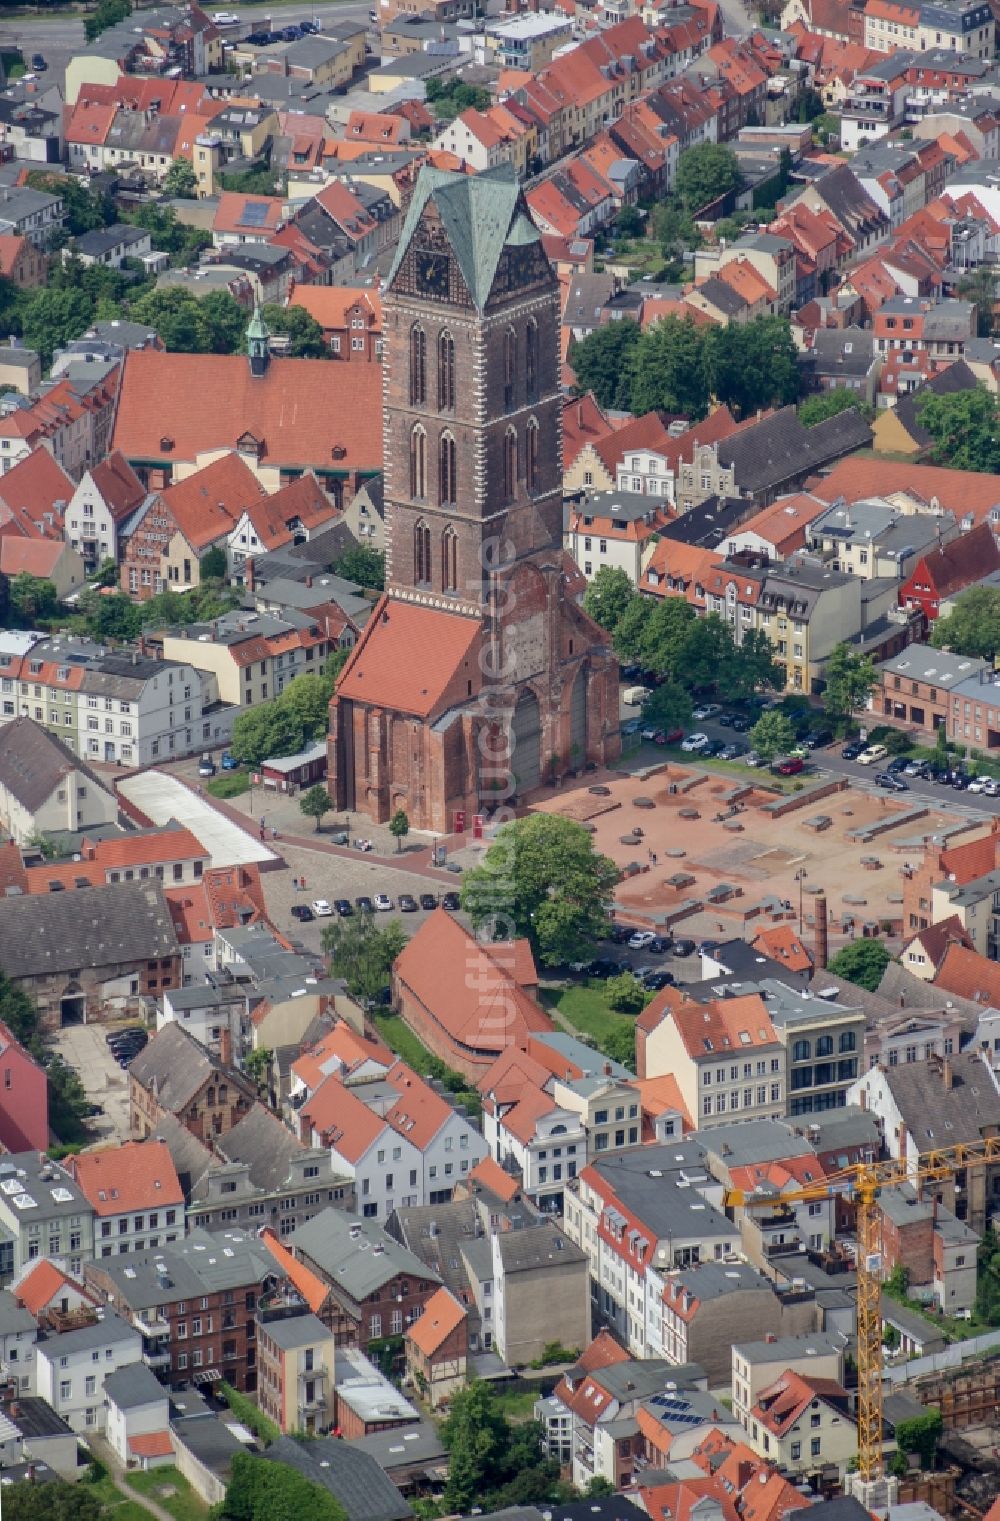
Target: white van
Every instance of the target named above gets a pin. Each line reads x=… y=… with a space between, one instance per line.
x=635 y=696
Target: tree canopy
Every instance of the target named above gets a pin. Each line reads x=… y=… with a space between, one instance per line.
x=57 y=1501
x=678 y=365
x=263 y=1490
x=493 y=1463
x=863 y=962
x=823 y=404
x=850 y=681
x=772 y=735
x=362 y=952
x=304 y=334
x=965 y=427
x=362 y=565
x=973 y=625
x=542 y=879
x=608 y=595
x=287 y=724
x=704 y=173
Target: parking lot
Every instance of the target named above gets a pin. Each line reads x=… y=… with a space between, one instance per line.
x=85 y=1049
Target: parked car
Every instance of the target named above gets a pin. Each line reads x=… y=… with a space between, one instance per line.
x=632 y=727
x=364 y=904
x=650 y=732
x=818 y=739
x=225 y=18
x=38 y=63
x=684 y=947
x=229 y=762
x=634 y=697
x=640 y=940
x=916 y=768
x=741 y=723
x=852 y=750
x=734 y=751
x=303 y=913
x=342 y=906
x=290 y=33
x=752 y=758
x=428 y=900
x=896 y=765
x=960 y=781
x=383 y=903
x=706 y=710
x=206 y=766
x=872 y=754
x=451 y=901
x=661 y=944
x=790 y=766
x=309 y=28
x=113 y=1035
x=694 y=742
x=991 y=787
x=407 y=903
x=604 y=967
x=714 y=747
x=890 y=783
x=726 y=720
x=660 y=979
x=322 y=909
x=670 y=736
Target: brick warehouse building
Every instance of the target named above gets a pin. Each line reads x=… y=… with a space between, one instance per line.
x=474 y=649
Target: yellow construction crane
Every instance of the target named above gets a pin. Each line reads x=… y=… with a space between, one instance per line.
x=860 y=1185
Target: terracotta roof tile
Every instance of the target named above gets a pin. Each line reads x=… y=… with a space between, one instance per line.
x=936 y=938
x=299 y=410
x=730 y=1024
x=341 y=1120
x=118 y=484
x=330 y=304
x=969 y=975
x=957 y=491
x=208 y=503
x=781 y=943
x=138 y=1175
x=401 y=638
x=31 y=557
x=442 y=1316
x=151 y=1444
x=492 y=1177
x=41 y=1284
x=342 y=1049
x=313 y=1290
x=33 y=488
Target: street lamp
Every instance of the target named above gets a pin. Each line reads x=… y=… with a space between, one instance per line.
x=800 y=877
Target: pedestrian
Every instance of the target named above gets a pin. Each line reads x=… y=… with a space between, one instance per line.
x=652 y=856
x=302 y=883
x=295 y=884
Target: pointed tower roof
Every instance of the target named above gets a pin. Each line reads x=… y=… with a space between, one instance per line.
x=258 y=327
x=480 y=214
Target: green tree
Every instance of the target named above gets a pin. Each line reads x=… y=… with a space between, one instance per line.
x=304 y=334
x=83 y=210
x=335 y=662
x=668 y=707
x=265 y=731
x=619 y=1045
x=669 y=370
x=598 y=1487
x=363 y=566
x=772 y=735
x=362 y=952
x=188 y=324
x=107 y=573
x=674 y=230
x=863 y=962
x=973 y=625
x=708 y=651
x=981 y=287
x=399 y=827
x=57 y=1501
x=106 y=13
x=751 y=668
x=307 y=700
x=542 y=878
x=921 y=1434
x=222 y=322
x=850 y=681
x=625 y=993
x=632 y=633
x=603 y=363
x=664 y=636
x=450 y=98
x=258 y=1066
x=752 y=366
x=704 y=173
x=629 y=222
x=608 y=595
x=53 y=318
x=965 y=427
x=213 y=565
x=315 y=803
x=823 y=404
x=180 y=180
x=32 y=598
x=262 y=1490
x=988 y=1277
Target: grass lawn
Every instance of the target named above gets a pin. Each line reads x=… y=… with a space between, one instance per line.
x=229 y=784
x=753 y=776
x=184 y=1504
x=401 y=1039
x=517 y=1406
x=113 y=1502
x=585 y=1006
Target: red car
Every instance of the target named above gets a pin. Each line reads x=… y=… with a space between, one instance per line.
x=673 y=738
x=791 y=766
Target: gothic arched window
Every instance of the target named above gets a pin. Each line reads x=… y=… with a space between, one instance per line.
x=421 y=553
x=509 y=464
x=418 y=464
x=446 y=372
x=509 y=368
x=447 y=490
x=418 y=366
x=531 y=359
x=531 y=455
x=449 y=560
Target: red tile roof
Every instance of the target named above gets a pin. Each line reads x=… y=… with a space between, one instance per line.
x=936 y=938
x=583 y=423
x=151 y=1444
x=959 y=564
x=138 y=1175
x=781 y=943
x=299 y=410
x=442 y=962
x=492 y=1177
x=405 y=644
x=969 y=975
x=442 y=1316
x=208 y=503
x=330 y=304
x=730 y=1024
x=32 y=557
x=33 y=488
x=313 y=1290
x=340 y=1118
x=41 y=1284
x=341 y=1050
x=957 y=491
x=118 y=484
x=779 y=1406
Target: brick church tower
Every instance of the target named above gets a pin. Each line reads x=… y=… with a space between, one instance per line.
x=478 y=676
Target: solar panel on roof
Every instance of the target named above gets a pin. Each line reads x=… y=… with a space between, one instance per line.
x=254 y=214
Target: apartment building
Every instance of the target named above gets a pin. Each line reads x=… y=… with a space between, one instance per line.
x=43 y=1213
x=726 y=1056
x=295 y=1354
x=250 y=657
x=116 y=706
x=928 y=689
x=961 y=26
x=135 y=1194
x=707 y=1306
x=757 y=1364
x=616 y=528
x=922 y=325
x=71 y=1366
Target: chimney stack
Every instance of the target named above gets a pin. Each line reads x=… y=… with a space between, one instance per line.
x=822 y=931
x=947 y=1075
x=226 y=1046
